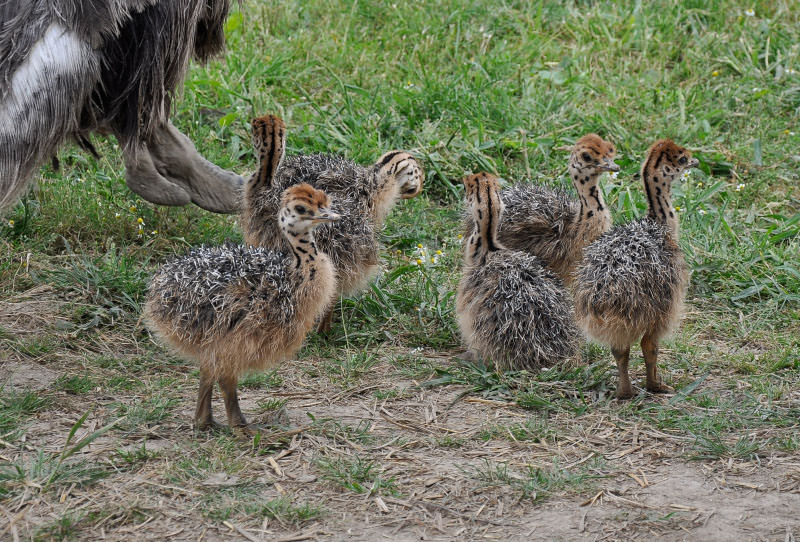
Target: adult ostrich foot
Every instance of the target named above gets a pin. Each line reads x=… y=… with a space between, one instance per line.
x=169 y=171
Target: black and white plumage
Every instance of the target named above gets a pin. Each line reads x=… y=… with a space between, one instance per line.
x=69 y=68
x=552 y=225
x=364 y=196
x=511 y=309
x=632 y=281
x=193 y=294
x=635 y=272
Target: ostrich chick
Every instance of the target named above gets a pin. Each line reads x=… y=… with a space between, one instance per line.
x=552 y=225
x=236 y=309
x=510 y=308
x=364 y=196
x=632 y=281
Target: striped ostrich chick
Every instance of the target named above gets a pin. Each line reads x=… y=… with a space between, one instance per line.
x=510 y=308
x=364 y=196
x=236 y=309
x=552 y=225
x=632 y=281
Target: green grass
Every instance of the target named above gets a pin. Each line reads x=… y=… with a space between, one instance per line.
x=267 y=380
x=145 y=414
x=16 y=407
x=76 y=384
x=535 y=483
x=466 y=85
x=357 y=475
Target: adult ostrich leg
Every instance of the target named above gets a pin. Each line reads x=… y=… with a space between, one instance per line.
x=71 y=67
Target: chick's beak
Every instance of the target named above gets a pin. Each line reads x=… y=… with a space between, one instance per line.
x=694 y=162
x=325 y=215
x=609 y=165
x=411 y=192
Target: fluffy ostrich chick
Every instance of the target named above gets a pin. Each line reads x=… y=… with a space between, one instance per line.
x=511 y=309
x=364 y=196
x=632 y=281
x=237 y=309
x=552 y=225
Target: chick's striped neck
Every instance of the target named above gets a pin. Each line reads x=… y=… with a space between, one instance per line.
x=487 y=212
x=302 y=243
x=585 y=180
x=658 y=188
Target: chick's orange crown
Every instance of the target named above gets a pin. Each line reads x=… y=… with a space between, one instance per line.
x=307 y=194
x=595 y=144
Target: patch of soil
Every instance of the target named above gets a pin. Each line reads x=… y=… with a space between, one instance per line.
x=21 y=375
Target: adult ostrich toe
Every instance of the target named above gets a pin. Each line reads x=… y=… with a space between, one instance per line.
x=169 y=171
x=71 y=67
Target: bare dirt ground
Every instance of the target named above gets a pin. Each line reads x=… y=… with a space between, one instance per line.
x=368 y=455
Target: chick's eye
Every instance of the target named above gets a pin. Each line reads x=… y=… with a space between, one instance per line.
x=586 y=157
x=300 y=209
x=682 y=160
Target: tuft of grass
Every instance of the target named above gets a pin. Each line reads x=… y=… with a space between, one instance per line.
x=285 y=511
x=348 y=367
x=534 y=483
x=267 y=380
x=53 y=470
x=63 y=529
x=357 y=475
x=113 y=284
x=222 y=453
x=271 y=405
x=414 y=367
x=533 y=429
x=146 y=413
x=246 y=501
x=75 y=384
x=37 y=347
x=714 y=447
x=135 y=456
x=360 y=433
x=16 y=407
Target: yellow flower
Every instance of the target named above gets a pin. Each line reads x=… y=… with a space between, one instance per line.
x=715 y=73
x=433 y=260
x=132 y=209
x=419 y=262
x=10 y=222
x=677 y=208
x=438 y=252
x=140 y=220
x=154 y=232
x=460 y=236
x=419 y=245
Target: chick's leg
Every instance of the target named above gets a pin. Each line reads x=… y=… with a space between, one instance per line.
x=202 y=415
x=325 y=322
x=650 y=353
x=624 y=389
x=228 y=386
